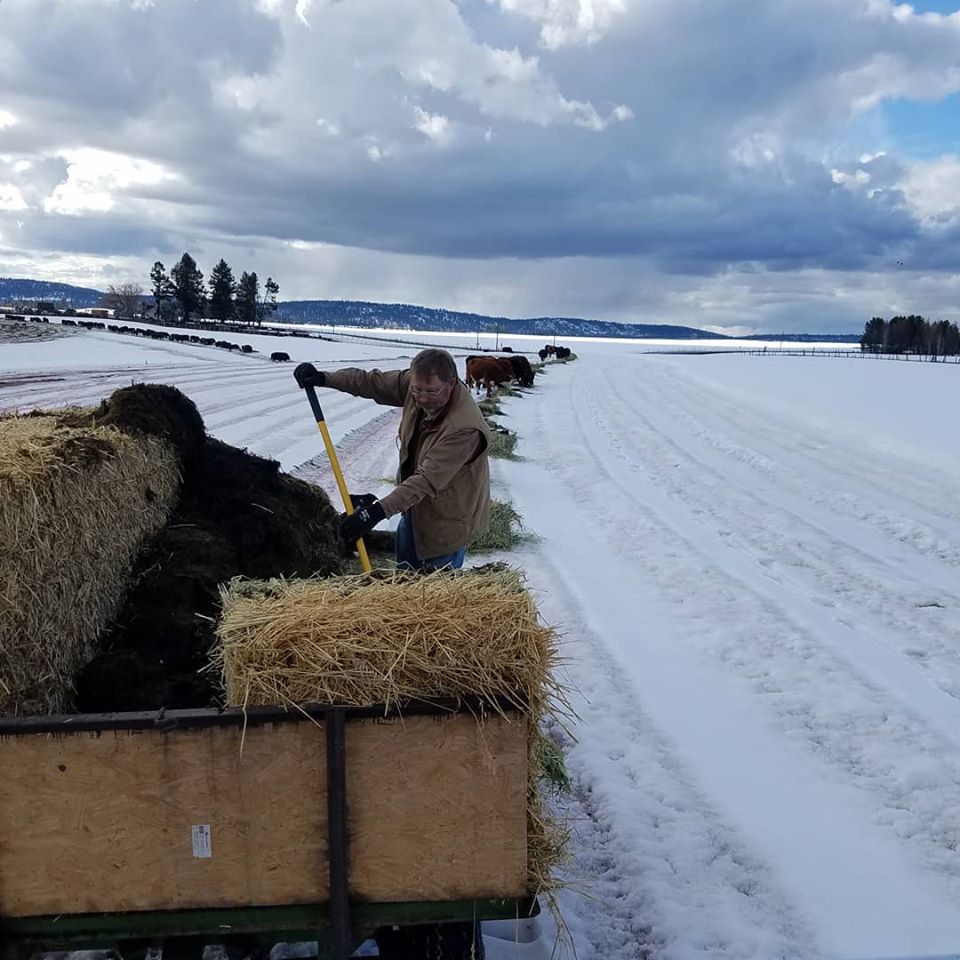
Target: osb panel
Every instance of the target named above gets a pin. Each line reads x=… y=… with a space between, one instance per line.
x=104 y=822
x=92 y=823
x=437 y=808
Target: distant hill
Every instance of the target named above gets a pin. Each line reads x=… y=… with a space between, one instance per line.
x=806 y=337
x=359 y=313
x=402 y=316
x=22 y=289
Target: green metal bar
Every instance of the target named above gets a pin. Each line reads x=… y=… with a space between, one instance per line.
x=286 y=924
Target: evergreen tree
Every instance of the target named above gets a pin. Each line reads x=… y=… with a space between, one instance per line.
x=222 y=290
x=874 y=335
x=248 y=297
x=188 y=288
x=951 y=341
x=162 y=286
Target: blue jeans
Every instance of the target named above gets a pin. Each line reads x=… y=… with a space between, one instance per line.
x=407 y=558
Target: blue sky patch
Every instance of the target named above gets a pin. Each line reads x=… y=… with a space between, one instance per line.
x=923 y=129
x=936 y=6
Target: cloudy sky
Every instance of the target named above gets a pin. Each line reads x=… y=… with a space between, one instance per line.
x=737 y=165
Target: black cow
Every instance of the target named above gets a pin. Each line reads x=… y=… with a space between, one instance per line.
x=279 y=356
x=246 y=348
x=521 y=369
x=508 y=349
x=543 y=354
x=563 y=353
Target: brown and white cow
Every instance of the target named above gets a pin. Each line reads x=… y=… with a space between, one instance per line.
x=488 y=372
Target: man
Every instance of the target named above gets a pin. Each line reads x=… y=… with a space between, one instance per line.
x=443 y=491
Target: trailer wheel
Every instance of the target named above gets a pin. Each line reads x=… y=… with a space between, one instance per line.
x=431 y=941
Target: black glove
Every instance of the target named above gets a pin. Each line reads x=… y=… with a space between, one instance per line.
x=307 y=375
x=362 y=500
x=361 y=521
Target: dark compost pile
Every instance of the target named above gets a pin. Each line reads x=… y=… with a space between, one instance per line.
x=237 y=515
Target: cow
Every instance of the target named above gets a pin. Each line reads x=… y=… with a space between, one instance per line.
x=508 y=349
x=542 y=354
x=522 y=371
x=563 y=353
x=504 y=362
x=549 y=350
x=279 y=356
x=488 y=372
x=246 y=348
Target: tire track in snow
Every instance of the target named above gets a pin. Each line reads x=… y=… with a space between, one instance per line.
x=793 y=549
x=367 y=455
x=820 y=698
x=852 y=480
x=657 y=872
x=853 y=749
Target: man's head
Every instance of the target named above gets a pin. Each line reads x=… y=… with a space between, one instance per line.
x=433 y=376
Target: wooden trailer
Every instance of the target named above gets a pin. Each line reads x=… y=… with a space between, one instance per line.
x=176 y=829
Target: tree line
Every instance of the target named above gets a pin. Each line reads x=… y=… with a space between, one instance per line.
x=184 y=290
x=911 y=334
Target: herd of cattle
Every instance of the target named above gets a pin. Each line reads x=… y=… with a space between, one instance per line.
x=158 y=335
x=487 y=372
x=483 y=372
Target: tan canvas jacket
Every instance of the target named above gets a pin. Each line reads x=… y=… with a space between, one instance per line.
x=445 y=486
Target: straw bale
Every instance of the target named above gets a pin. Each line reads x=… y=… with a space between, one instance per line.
x=76 y=503
x=386 y=639
x=392 y=638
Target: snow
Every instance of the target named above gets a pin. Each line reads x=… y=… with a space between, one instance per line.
x=755 y=565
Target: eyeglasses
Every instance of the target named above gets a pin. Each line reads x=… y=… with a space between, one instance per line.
x=421 y=394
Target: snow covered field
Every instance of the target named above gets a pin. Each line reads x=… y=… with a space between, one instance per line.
x=755 y=562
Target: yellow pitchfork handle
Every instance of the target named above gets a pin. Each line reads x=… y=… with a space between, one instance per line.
x=335 y=463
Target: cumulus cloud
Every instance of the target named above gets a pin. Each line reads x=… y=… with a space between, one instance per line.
x=564 y=22
x=704 y=148
x=95 y=179
x=434 y=126
x=11 y=198
x=933 y=189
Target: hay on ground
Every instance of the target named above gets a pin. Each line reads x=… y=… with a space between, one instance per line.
x=76 y=504
x=504 y=529
x=398 y=638
x=502 y=445
x=490 y=408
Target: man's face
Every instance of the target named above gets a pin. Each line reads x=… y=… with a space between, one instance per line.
x=430 y=394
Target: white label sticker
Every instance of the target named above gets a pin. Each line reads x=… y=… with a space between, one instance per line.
x=202 y=846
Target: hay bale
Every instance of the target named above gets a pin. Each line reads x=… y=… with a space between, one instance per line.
x=395 y=638
x=386 y=639
x=76 y=504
